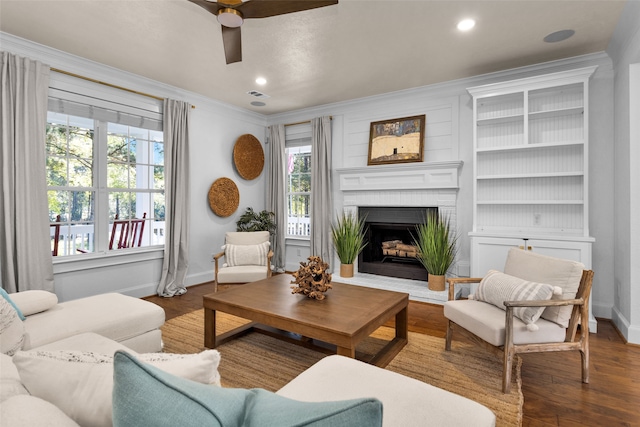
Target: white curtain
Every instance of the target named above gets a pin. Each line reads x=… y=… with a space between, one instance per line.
x=25 y=247
x=321 y=200
x=276 y=192
x=176 y=247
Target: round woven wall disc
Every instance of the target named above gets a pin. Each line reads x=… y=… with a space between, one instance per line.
x=248 y=157
x=224 y=197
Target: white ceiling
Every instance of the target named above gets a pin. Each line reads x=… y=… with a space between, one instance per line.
x=354 y=49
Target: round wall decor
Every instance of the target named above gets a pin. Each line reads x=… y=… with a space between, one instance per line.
x=224 y=197
x=248 y=156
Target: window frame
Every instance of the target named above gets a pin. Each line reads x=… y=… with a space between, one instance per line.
x=144 y=110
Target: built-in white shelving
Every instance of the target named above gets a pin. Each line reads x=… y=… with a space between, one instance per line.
x=530 y=168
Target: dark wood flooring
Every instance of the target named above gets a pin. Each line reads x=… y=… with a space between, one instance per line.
x=553 y=392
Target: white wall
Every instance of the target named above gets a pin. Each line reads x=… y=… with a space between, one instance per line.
x=624 y=49
x=214 y=129
x=449 y=133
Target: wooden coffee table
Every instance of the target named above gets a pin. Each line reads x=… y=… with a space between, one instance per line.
x=345 y=317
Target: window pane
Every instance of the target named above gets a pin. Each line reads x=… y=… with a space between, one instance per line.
x=78 y=238
x=80 y=172
x=158 y=153
x=158 y=206
x=117 y=148
x=56 y=171
x=81 y=205
x=120 y=205
x=58 y=204
x=158 y=177
x=118 y=175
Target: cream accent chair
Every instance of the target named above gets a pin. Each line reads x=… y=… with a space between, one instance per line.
x=506 y=334
x=247 y=258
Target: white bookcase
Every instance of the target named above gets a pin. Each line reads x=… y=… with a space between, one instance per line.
x=531 y=157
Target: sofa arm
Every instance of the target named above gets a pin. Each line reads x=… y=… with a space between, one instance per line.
x=453 y=281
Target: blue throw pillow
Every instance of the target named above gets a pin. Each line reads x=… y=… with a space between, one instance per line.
x=6 y=296
x=145 y=395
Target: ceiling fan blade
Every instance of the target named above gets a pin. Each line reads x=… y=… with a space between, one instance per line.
x=211 y=7
x=232 y=40
x=266 y=8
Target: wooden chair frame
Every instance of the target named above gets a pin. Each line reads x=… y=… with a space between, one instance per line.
x=56 y=235
x=131 y=231
x=219 y=255
x=579 y=316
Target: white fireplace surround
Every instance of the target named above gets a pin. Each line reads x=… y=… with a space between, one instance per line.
x=428 y=184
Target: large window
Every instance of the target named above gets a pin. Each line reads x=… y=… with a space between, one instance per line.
x=99 y=172
x=299 y=191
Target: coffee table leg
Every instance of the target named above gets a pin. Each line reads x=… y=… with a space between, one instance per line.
x=209 y=328
x=402 y=324
x=348 y=352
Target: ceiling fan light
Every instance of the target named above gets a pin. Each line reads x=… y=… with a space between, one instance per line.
x=230 y=17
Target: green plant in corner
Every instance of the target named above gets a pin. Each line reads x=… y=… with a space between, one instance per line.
x=436 y=245
x=348 y=239
x=256 y=221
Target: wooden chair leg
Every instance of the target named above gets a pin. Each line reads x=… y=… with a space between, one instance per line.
x=447 y=342
x=584 y=354
x=506 y=371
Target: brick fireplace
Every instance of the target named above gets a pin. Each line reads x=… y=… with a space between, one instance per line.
x=409 y=187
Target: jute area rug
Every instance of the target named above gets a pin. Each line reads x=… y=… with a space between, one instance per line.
x=258 y=360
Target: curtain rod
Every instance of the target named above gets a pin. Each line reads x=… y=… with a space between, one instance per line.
x=303 y=122
x=108 y=84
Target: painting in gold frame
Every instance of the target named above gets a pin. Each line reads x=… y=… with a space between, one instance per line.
x=396 y=141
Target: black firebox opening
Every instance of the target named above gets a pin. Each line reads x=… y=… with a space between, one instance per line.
x=392 y=224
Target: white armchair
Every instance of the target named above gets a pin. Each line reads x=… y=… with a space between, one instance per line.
x=504 y=313
x=247 y=258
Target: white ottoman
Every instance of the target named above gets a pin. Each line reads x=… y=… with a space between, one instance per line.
x=406 y=401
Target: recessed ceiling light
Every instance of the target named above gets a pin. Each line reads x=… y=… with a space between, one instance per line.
x=261 y=81
x=466 y=24
x=559 y=36
x=258 y=104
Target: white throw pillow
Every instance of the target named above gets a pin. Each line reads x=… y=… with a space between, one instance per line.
x=29 y=411
x=10 y=383
x=235 y=255
x=496 y=288
x=11 y=329
x=34 y=301
x=81 y=383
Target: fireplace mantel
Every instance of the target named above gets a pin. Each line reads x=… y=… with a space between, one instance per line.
x=407 y=176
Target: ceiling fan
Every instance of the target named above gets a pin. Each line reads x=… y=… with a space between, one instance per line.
x=232 y=13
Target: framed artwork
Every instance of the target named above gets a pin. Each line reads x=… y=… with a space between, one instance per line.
x=396 y=141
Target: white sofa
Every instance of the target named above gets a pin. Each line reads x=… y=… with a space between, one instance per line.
x=130 y=321
x=406 y=402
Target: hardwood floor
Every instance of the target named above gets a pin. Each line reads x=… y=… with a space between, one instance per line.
x=553 y=392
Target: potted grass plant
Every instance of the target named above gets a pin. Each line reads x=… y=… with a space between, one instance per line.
x=348 y=240
x=436 y=248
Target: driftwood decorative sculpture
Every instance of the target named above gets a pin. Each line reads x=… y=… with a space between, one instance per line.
x=312 y=278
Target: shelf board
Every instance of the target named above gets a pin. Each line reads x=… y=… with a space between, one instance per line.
x=530 y=175
x=530 y=202
x=500 y=120
x=530 y=146
x=574 y=111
